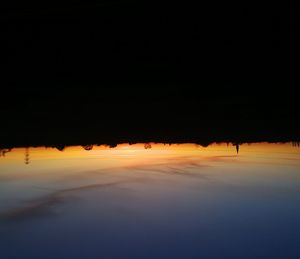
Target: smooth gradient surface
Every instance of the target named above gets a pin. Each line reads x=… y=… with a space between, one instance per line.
x=151 y=201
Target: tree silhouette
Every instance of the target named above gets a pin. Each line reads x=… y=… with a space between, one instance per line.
x=88 y=147
x=237 y=147
x=4 y=151
x=60 y=147
x=147 y=145
x=26 y=160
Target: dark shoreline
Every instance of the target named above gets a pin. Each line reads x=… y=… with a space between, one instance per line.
x=112 y=137
x=110 y=115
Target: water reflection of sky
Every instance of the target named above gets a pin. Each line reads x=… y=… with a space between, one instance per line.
x=178 y=201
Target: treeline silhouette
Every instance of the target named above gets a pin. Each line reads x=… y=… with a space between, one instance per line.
x=89 y=147
x=174 y=119
x=115 y=114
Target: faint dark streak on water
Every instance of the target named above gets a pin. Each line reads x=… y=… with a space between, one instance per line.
x=41 y=207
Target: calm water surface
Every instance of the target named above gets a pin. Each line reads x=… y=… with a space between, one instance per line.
x=158 y=201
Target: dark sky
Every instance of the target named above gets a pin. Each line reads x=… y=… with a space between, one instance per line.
x=126 y=42
x=129 y=66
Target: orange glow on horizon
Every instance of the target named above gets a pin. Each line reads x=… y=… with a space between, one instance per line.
x=153 y=149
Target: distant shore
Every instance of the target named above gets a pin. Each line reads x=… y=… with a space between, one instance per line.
x=225 y=131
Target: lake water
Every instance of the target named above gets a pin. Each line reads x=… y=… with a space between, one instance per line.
x=151 y=201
